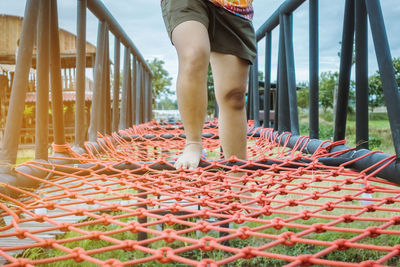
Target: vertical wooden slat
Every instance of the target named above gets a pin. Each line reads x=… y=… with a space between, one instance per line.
x=56 y=81
x=133 y=89
x=138 y=91
x=42 y=95
x=80 y=74
x=95 y=115
x=8 y=153
x=125 y=88
x=115 y=117
x=107 y=86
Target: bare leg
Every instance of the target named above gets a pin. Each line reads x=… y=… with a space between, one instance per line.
x=230 y=79
x=193 y=47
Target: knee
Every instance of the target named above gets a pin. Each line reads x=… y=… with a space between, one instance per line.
x=194 y=59
x=235 y=98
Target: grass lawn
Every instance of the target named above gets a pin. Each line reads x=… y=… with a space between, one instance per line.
x=380 y=136
x=25 y=155
x=256 y=239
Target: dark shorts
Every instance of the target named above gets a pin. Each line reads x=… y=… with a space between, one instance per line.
x=228 y=33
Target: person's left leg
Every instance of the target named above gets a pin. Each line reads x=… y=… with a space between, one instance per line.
x=230 y=81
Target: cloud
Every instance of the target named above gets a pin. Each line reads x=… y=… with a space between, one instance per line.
x=142 y=20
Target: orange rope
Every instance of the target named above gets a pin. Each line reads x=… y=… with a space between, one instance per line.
x=288 y=212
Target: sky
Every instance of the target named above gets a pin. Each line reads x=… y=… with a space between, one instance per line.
x=142 y=21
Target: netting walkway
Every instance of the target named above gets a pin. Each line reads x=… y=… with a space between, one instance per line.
x=122 y=204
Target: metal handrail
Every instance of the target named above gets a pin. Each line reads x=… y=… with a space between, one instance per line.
x=272 y=22
x=357 y=12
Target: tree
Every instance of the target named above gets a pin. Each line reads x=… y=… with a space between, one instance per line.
x=303 y=94
x=161 y=81
x=376 y=97
x=260 y=75
x=327 y=82
x=211 y=104
x=167 y=104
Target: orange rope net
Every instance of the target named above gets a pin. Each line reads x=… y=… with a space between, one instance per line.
x=100 y=210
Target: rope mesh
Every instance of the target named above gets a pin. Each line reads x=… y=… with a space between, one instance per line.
x=96 y=212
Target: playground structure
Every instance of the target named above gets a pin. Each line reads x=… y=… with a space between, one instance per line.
x=116 y=200
x=11 y=28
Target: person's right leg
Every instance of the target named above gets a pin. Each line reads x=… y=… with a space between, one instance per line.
x=192 y=44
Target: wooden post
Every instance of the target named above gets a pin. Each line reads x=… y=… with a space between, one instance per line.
x=116 y=85
x=8 y=153
x=42 y=99
x=80 y=122
x=56 y=82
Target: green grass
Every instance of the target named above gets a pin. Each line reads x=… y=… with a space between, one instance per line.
x=349 y=255
x=380 y=136
x=25 y=155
